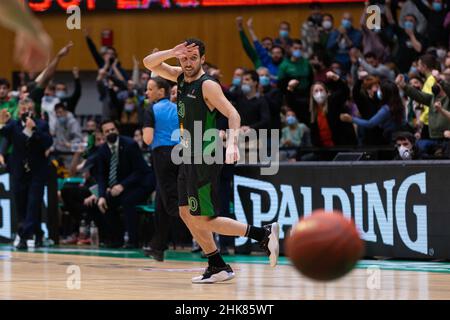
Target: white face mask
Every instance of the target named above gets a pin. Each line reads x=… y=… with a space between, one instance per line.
x=404 y=153
x=327 y=24
x=320 y=97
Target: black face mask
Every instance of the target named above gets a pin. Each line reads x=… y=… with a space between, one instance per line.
x=25 y=116
x=112 y=138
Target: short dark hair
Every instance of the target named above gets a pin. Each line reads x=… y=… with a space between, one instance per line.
x=253 y=74
x=286 y=23
x=267 y=38
x=106 y=121
x=279 y=47
x=411 y=15
x=162 y=84
x=60 y=105
x=328 y=15
x=370 y=54
x=428 y=60
x=297 y=41
x=4 y=82
x=199 y=43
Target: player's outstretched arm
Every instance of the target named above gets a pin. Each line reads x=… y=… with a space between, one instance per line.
x=213 y=94
x=155 y=61
x=33 y=45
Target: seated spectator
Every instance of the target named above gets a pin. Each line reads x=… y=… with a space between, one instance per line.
x=390 y=117
x=294 y=135
x=405 y=146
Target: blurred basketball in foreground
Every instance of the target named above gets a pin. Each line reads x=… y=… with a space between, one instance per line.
x=324 y=246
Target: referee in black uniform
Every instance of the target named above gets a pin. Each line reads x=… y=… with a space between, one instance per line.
x=161 y=120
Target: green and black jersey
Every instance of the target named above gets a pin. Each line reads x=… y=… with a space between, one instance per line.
x=192 y=108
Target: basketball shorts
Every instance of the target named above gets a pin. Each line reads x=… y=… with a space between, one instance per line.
x=198 y=188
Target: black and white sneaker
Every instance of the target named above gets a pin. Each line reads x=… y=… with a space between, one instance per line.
x=215 y=274
x=270 y=244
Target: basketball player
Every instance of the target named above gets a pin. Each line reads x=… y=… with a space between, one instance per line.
x=33 y=45
x=199 y=99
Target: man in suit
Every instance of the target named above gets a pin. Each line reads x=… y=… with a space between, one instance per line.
x=124 y=180
x=29 y=167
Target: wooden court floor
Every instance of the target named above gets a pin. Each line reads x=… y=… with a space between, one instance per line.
x=47 y=275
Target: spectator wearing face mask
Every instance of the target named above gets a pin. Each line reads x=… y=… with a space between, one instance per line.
x=343 y=39
x=62 y=94
x=327 y=102
x=390 y=117
x=435 y=14
x=325 y=31
x=67 y=129
x=405 y=147
x=410 y=43
x=320 y=64
x=236 y=82
x=284 y=39
x=273 y=96
x=271 y=61
x=438 y=123
x=295 y=76
x=251 y=106
x=294 y=134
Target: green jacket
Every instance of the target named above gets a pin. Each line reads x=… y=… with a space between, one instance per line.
x=437 y=122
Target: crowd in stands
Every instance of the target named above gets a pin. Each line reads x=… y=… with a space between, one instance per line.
x=325 y=82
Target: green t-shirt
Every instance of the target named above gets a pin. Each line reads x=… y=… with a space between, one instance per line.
x=300 y=70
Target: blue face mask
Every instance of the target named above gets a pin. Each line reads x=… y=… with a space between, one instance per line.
x=347 y=24
x=379 y=94
x=284 y=33
x=264 y=81
x=62 y=120
x=437 y=6
x=297 y=53
x=408 y=25
x=413 y=70
x=246 y=89
x=291 y=120
x=236 y=81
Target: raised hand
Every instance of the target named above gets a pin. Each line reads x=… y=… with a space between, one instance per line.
x=184 y=49
x=239 y=23
x=32 y=53
x=65 y=51
x=250 y=23
x=76 y=72
x=400 y=81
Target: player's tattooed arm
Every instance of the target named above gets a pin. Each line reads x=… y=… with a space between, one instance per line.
x=155 y=61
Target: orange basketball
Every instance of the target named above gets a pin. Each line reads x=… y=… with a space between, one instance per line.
x=324 y=246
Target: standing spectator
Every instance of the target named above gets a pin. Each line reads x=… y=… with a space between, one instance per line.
x=70 y=101
x=310 y=29
x=105 y=60
x=435 y=14
x=324 y=34
x=295 y=77
x=327 y=103
x=124 y=180
x=160 y=124
x=426 y=64
x=248 y=48
x=410 y=43
x=273 y=96
x=343 y=39
x=284 y=40
x=67 y=129
x=270 y=60
x=31 y=139
x=390 y=117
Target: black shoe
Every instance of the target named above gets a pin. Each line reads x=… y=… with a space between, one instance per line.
x=155 y=254
x=215 y=274
x=22 y=245
x=270 y=244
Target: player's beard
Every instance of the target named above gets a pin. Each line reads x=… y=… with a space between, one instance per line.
x=192 y=73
